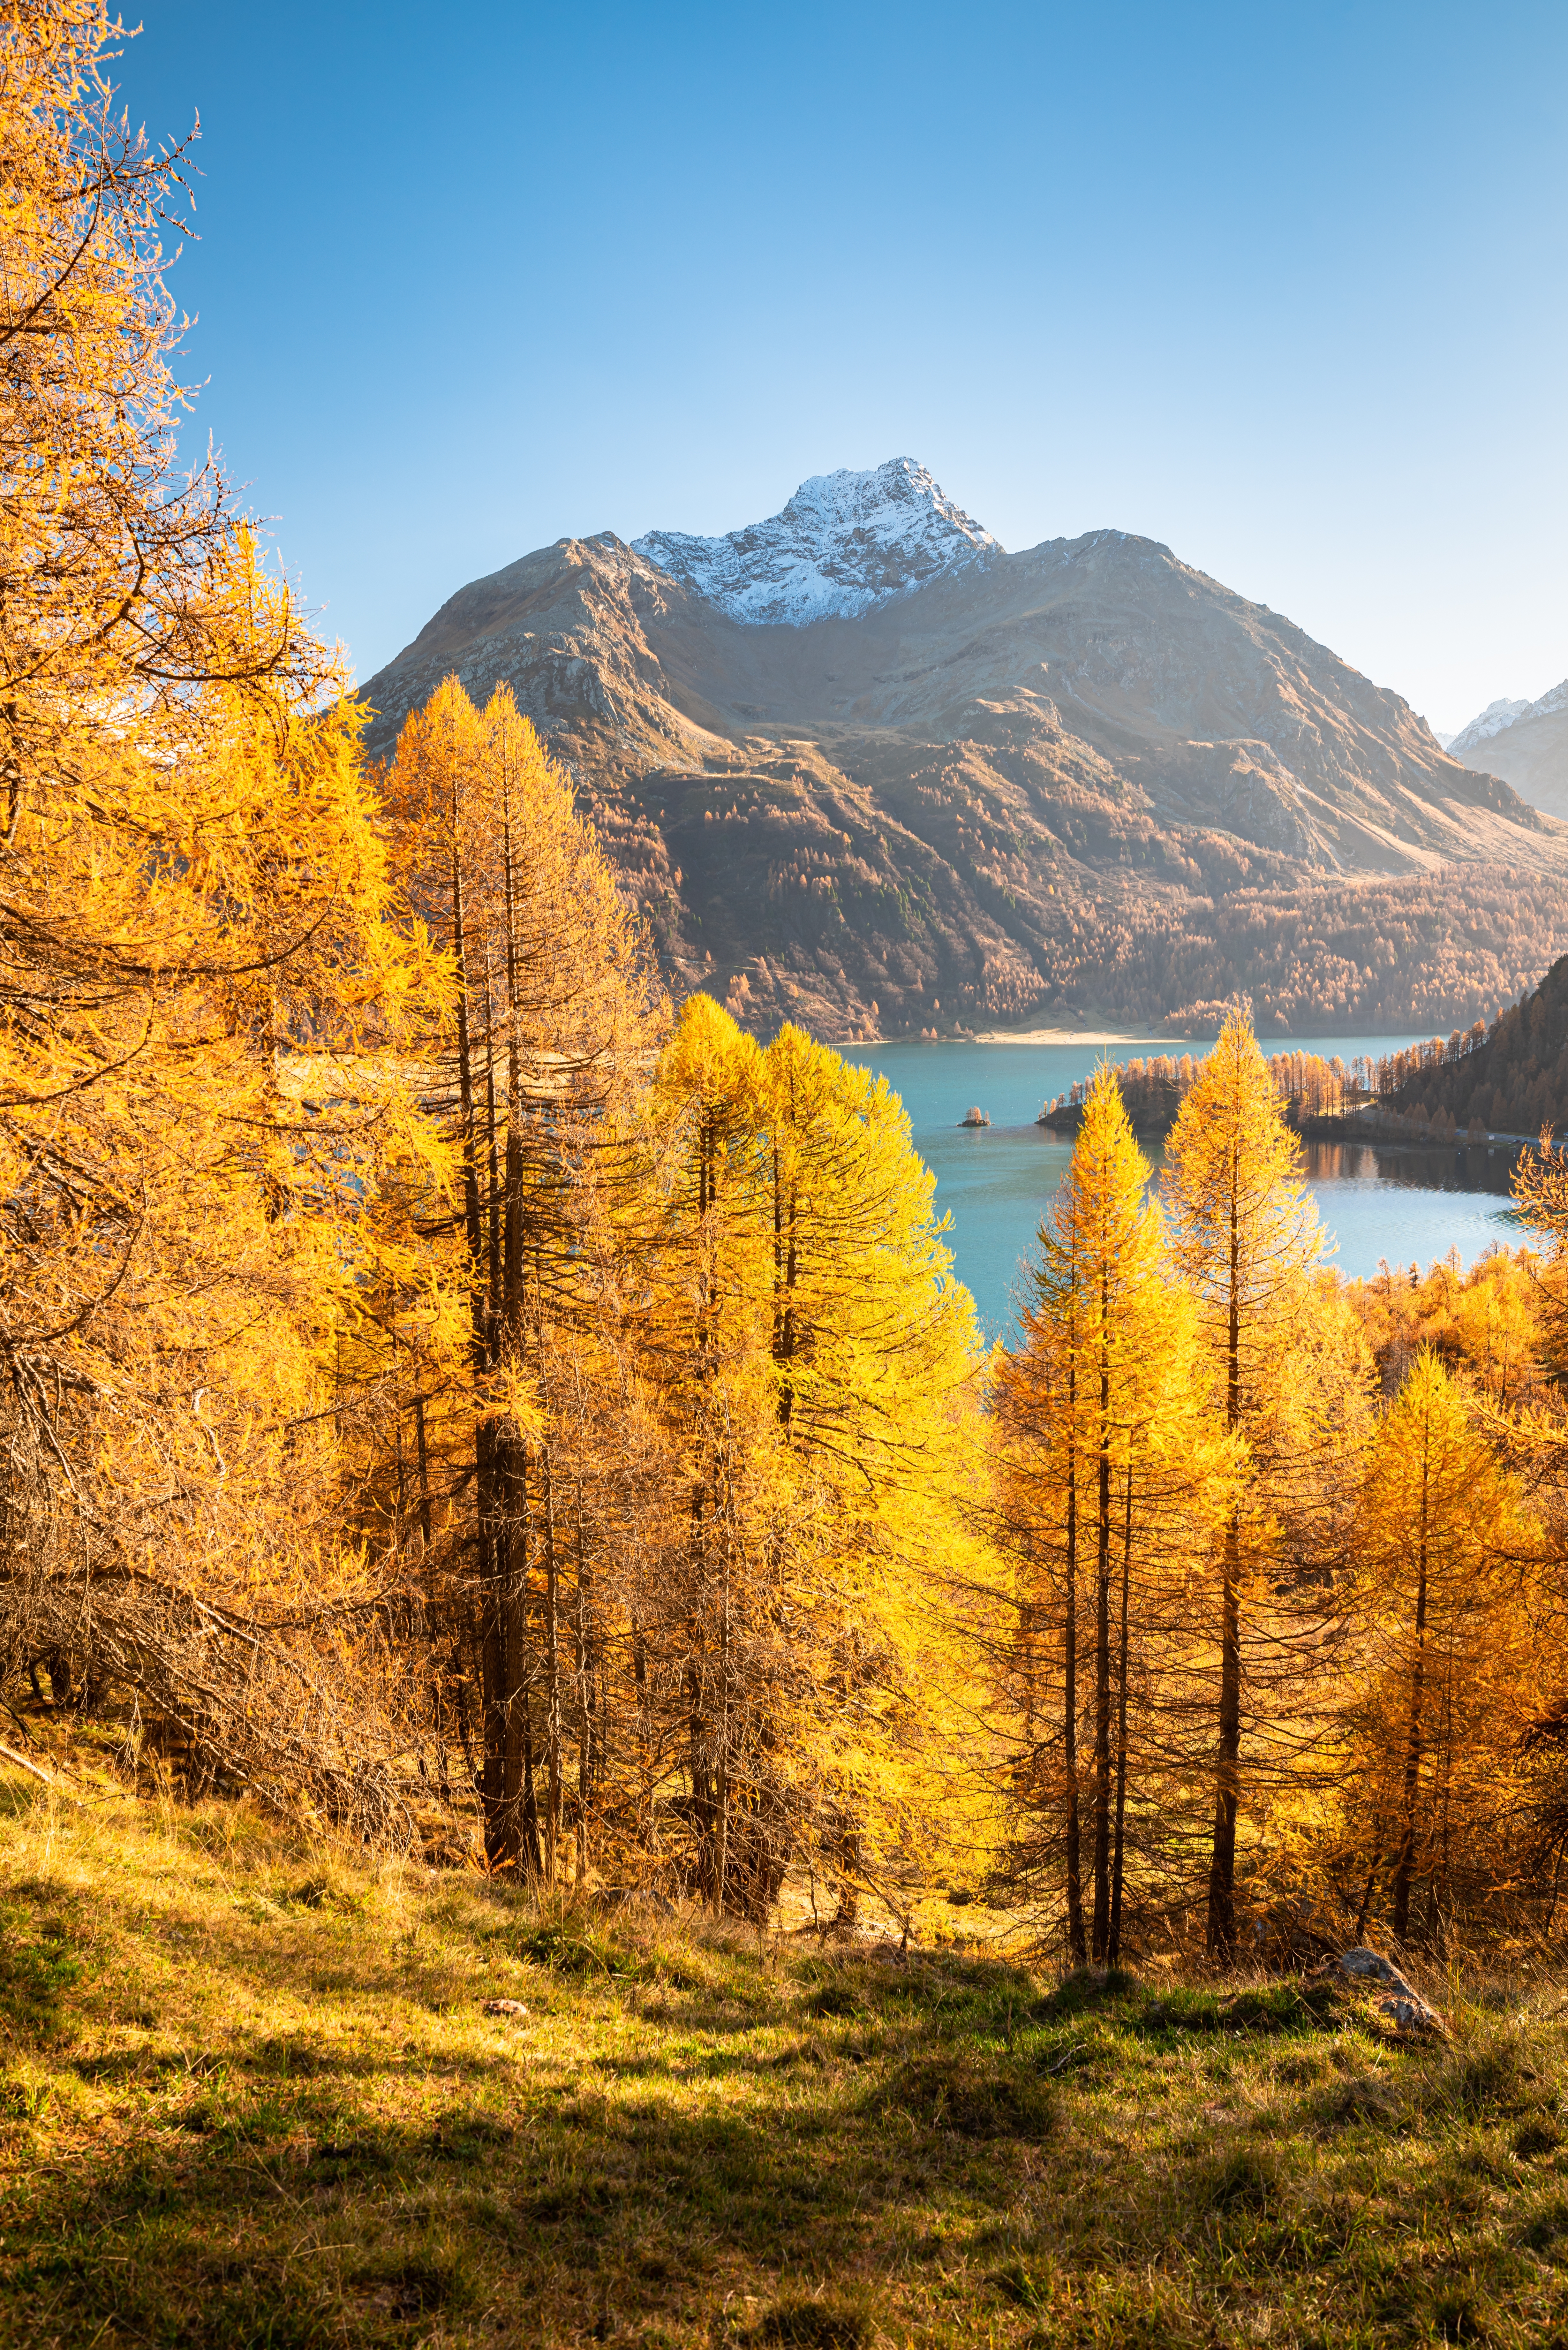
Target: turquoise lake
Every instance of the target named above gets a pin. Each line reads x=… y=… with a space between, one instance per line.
x=1378 y=1201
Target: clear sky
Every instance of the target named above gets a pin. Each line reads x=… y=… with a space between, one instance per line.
x=1283 y=286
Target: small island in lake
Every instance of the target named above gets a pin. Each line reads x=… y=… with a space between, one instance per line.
x=974 y=1117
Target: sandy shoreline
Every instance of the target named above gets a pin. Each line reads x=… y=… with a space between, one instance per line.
x=1059 y=1036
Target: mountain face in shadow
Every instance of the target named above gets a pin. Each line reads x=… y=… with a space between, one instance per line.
x=864 y=768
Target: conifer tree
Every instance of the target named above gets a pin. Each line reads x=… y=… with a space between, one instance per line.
x=1100 y=1442
x=730 y=1675
x=1246 y=1238
x=200 y=961
x=1449 y=1666
x=875 y=1355
x=538 y=1068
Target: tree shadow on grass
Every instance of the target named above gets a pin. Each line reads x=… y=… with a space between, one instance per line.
x=551 y=2200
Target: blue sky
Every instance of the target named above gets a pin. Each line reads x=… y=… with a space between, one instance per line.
x=1284 y=287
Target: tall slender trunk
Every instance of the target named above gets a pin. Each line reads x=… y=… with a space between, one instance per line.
x=511 y=1556
x=1114 y=1953
x=722 y=1862
x=708 y=1710
x=434 y=1629
x=1404 y=1868
x=501 y=1841
x=500 y=1823
x=1227 y=1775
x=785 y=1276
x=508 y=1243
x=583 y=1658
x=492 y=1174
x=421 y=1454
x=551 y=1675
x=465 y=1095
x=1102 y=1925
x=1075 y=1942
x=1440 y=1879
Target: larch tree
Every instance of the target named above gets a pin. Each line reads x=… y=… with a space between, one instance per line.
x=200 y=955
x=875 y=1357
x=1091 y=1460
x=533 y=1078
x=729 y=1671
x=1245 y=1237
x=1448 y=1661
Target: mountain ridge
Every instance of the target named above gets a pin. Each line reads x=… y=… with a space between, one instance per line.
x=1493 y=719
x=1005 y=788
x=1526 y=743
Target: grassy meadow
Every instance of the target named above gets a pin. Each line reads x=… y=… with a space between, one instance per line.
x=251 y=2096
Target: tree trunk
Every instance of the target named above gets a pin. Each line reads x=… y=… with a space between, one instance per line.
x=552 y=1763
x=1102 y=1928
x=1404 y=1868
x=1227 y=1775
x=500 y=1826
x=519 y=1796
x=721 y=1859
x=1075 y=1942
x=1226 y=1787
x=786 y=1274
x=584 y=1660
x=1114 y=1951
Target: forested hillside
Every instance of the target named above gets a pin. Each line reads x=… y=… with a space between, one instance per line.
x=1513 y=1079
x=1510 y=1077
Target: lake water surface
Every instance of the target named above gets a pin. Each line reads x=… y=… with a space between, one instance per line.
x=1378 y=1201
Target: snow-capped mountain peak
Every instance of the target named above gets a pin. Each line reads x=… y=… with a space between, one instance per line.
x=845 y=542
x=1498 y=716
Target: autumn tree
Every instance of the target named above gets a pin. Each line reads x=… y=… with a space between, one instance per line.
x=1103 y=1446
x=200 y=954
x=814 y=1364
x=1282 y=1372
x=552 y=1016
x=874 y=1354
x=1447 y=1664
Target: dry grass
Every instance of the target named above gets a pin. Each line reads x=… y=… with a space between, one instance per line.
x=250 y=2096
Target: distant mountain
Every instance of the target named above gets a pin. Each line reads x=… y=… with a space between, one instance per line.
x=844 y=542
x=1494 y=719
x=1526 y=743
x=864 y=767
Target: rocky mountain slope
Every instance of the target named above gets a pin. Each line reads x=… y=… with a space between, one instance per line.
x=862 y=766
x=1526 y=743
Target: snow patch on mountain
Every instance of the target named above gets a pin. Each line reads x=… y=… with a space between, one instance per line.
x=1498 y=716
x=844 y=543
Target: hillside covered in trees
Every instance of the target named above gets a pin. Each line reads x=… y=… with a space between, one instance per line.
x=462 y=1400
x=1512 y=1078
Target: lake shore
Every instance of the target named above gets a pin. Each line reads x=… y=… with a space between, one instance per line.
x=1381 y=1198
x=1064 y=1036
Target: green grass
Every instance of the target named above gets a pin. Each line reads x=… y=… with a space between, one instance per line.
x=250 y=2096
